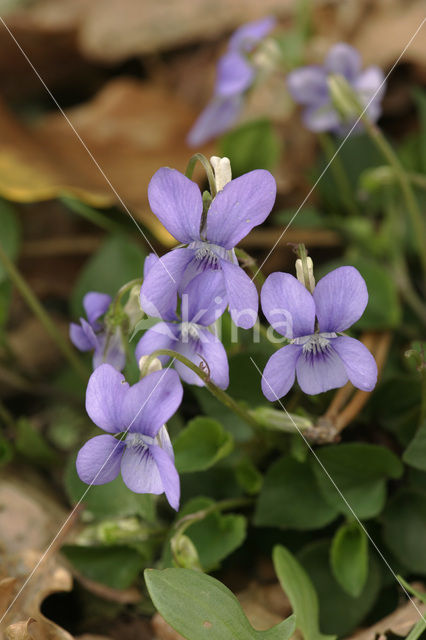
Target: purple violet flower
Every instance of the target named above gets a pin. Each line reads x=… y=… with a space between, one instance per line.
x=308 y=87
x=321 y=359
x=93 y=335
x=145 y=455
x=242 y=204
x=235 y=74
x=189 y=335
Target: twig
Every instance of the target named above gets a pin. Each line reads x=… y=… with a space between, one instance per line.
x=360 y=398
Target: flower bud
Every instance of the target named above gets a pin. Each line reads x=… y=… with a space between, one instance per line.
x=222 y=171
x=133 y=308
x=154 y=365
x=277 y=420
x=184 y=552
x=343 y=97
x=309 y=274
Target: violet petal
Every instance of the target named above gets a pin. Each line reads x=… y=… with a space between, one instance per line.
x=340 y=299
x=177 y=203
x=288 y=305
x=241 y=205
x=106 y=391
x=360 y=365
x=98 y=461
x=280 y=371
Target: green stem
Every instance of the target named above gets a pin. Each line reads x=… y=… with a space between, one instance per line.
x=399 y=266
x=41 y=314
x=404 y=182
x=198 y=157
x=339 y=173
x=123 y=290
x=230 y=503
x=407 y=291
x=259 y=419
x=218 y=393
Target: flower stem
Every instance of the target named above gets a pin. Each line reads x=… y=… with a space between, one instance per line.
x=123 y=290
x=259 y=419
x=198 y=157
x=39 y=311
x=339 y=173
x=404 y=182
x=218 y=393
x=231 y=503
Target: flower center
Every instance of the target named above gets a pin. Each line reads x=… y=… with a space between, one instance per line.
x=315 y=343
x=189 y=330
x=138 y=440
x=206 y=258
x=207 y=255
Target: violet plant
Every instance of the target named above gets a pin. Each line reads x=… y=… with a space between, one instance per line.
x=309 y=87
x=190 y=374
x=94 y=335
x=236 y=72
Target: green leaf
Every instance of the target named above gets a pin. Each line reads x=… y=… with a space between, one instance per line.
x=415 y=453
x=420 y=98
x=414 y=592
x=6 y=451
x=404 y=528
x=215 y=537
x=117 y=261
x=211 y=406
x=359 y=471
x=396 y=405
x=5 y=299
x=383 y=310
x=420 y=626
x=339 y=612
x=31 y=444
x=109 y=500
x=290 y=498
x=357 y=154
x=116 y=566
x=307 y=218
x=349 y=558
x=301 y=593
x=201 y=444
x=254 y=145
x=197 y=606
x=248 y=476
x=417 y=630
x=10 y=234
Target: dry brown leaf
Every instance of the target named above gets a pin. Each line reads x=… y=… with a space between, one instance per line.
x=29 y=520
x=132 y=129
x=399 y=622
x=23 y=621
x=90 y=636
x=113 y=30
x=29 y=174
x=29 y=515
x=382 y=37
